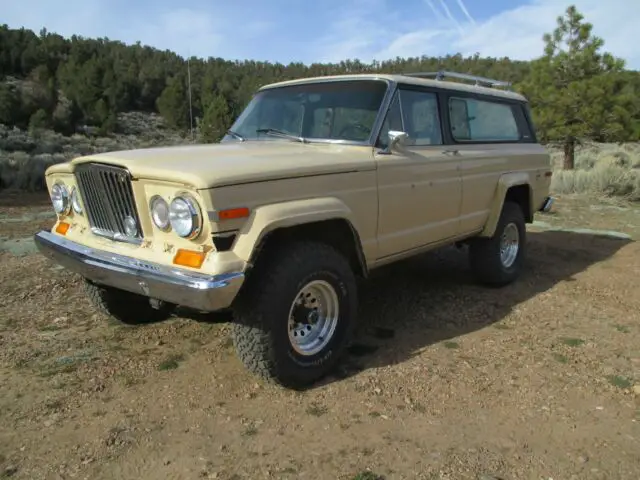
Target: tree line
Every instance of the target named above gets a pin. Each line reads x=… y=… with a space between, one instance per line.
x=66 y=84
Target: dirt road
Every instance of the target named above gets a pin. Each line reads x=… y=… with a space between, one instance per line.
x=447 y=380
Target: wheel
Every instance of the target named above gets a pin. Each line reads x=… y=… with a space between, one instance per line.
x=498 y=260
x=126 y=307
x=296 y=316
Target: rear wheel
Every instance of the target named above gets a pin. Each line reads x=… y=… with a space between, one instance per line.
x=498 y=260
x=296 y=315
x=126 y=307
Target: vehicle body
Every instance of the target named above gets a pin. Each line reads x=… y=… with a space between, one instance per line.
x=318 y=182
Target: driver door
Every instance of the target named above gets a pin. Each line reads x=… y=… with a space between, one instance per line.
x=419 y=183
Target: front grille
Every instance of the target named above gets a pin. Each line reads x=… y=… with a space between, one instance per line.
x=108 y=200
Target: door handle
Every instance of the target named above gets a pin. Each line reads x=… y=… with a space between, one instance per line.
x=451 y=151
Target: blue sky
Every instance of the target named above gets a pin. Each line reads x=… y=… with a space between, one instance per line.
x=330 y=30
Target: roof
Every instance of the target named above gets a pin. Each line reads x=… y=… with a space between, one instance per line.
x=406 y=79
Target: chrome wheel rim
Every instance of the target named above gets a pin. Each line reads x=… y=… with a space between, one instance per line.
x=313 y=317
x=509 y=245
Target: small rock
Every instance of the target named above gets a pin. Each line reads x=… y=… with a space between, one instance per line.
x=10 y=471
x=167 y=461
x=377 y=391
x=583 y=459
x=636 y=389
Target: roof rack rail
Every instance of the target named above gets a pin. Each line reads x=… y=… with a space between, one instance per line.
x=481 y=81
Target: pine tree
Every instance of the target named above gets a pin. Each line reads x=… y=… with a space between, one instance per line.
x=173 y=103
x=216 y=120
x=571 y=87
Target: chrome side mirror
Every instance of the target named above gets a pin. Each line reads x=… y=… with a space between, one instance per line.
x=396 y=137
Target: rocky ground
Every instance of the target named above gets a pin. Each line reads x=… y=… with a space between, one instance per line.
x=447 y=380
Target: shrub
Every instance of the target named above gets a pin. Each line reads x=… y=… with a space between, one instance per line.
x=605 y=169
x=25 y=157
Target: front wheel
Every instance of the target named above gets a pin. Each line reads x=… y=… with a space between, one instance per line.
x=498 y=260
x=296 y=315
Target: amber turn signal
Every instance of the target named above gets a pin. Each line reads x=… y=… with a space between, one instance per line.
x=189 y=258
x=62 y=228
x=233 y=213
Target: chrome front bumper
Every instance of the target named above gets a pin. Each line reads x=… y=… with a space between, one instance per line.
x=178 y=286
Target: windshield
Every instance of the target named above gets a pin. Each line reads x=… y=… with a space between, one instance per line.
x=340 y=110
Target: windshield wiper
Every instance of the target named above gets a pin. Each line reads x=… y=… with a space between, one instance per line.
x=279 y=133
x=236 y=135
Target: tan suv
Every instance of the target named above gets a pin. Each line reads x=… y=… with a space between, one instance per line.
x=319 y=181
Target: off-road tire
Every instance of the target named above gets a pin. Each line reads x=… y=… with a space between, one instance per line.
x=261 y=313
x=125 y=307
x=484 y=253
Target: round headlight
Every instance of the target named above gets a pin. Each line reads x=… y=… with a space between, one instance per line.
x=60 y=199
x=159 y=212
x=184 y=216
x=75 y=201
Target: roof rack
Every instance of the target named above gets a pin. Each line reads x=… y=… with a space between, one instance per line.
x=480 y=81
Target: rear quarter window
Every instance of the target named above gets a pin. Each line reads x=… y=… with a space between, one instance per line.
x=474 y=120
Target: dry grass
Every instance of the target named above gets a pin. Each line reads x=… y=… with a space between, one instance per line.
x=606 y=169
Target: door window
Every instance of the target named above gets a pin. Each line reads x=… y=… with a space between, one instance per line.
x=421 y=117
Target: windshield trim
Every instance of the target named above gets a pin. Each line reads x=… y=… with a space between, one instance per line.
x=377 y=124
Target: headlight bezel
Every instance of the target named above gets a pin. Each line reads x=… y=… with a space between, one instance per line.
x=75 y=198
x=64 y=197
x=152 y=203
x=194 y=211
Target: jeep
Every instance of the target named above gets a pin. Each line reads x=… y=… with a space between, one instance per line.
x=318 y=182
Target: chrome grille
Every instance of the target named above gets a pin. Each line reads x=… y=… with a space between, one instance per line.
x=107 y=198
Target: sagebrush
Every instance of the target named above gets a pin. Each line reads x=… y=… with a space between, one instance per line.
x=607 y=169
x=24 y=156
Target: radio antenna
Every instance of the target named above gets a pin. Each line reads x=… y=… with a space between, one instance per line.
x=190 y=103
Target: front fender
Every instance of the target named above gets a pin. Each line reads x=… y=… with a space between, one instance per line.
x=506 y=181
x=267 y=218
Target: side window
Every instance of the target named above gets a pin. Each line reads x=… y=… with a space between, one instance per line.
x=392 y=121
x=421 y=117
x=482 y=121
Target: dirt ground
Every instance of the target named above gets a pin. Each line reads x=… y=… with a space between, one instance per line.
x=447 y=379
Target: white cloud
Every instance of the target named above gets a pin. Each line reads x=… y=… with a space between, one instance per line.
x=515 y=33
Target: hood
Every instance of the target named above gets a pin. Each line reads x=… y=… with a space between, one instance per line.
x=212 y=165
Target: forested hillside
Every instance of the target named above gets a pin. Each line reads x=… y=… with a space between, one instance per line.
x=77 y=81
x=47 y=81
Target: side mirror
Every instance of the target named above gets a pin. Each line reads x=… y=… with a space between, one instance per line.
x=396 y=137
